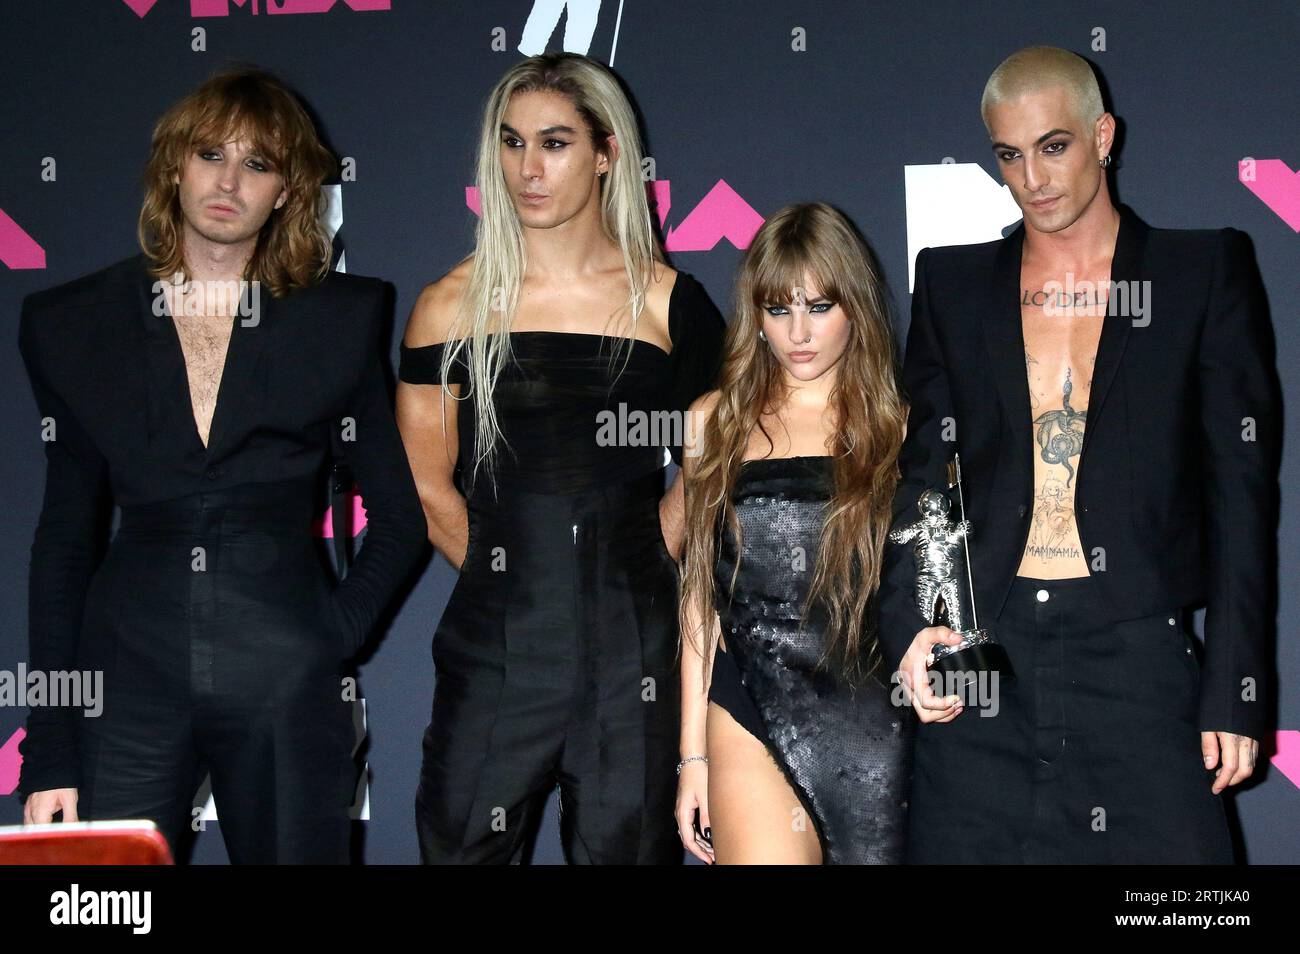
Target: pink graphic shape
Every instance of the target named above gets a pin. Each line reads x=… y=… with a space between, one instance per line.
x=1287 y=757
x=221 y=8
x=323 y=6
x=324 y=526
x=216 y=8
x=10 y=763
x=17 y=248
x=1278 y=188
x=140 y=7
x=720 y=214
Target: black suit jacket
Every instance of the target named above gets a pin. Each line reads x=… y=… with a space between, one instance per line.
x=1181 y=507
x=111 y=374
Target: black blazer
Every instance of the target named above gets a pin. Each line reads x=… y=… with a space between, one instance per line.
x=1183 y=508
x=111 y=374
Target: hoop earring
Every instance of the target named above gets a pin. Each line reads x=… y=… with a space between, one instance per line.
x=761 y=336
x=1104 y=162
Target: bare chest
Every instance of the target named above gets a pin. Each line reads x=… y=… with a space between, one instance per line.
x=601 y=308
x=1061 y=322
x=1061 y=319
x=795 y=432
x=204 y=344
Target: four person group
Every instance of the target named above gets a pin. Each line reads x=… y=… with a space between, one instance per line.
x=736 y=665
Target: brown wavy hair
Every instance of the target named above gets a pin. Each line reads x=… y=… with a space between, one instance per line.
x=293 y=249
x=870 y=418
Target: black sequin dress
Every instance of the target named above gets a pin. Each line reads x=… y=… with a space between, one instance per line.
x=846 y=752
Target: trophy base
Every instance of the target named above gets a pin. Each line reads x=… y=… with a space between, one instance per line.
x=977 y=653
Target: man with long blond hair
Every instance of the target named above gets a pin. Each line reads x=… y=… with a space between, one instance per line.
x=533 y=377
x=203 y=387
x=1111 y=390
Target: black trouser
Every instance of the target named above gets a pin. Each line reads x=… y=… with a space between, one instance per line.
x=1094 y=755
x=208 y=619
x=555 y=666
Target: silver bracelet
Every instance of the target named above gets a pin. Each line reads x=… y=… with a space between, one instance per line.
x=692 y=758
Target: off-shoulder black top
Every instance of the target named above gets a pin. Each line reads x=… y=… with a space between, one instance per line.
x=571 y=417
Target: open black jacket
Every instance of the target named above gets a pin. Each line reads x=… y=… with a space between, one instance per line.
x=111 y=375
x=1177 y=482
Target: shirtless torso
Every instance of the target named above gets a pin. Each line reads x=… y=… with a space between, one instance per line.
x=1061 y=316
x=204 y=342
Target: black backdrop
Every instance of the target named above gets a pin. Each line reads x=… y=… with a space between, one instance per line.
x=871 y=106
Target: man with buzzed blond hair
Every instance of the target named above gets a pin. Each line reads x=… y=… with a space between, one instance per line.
x=1112 y=392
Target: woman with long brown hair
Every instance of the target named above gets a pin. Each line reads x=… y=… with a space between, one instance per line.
x=791 y=749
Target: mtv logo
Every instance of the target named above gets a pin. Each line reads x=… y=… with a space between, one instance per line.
x=953 y=203
x=584 y=31
x=221 y=8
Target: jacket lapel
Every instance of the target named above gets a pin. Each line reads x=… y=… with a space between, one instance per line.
x=168 y=396
x=1125 y=270
x=1005 y=340
x=166 y=382
x=240 y=389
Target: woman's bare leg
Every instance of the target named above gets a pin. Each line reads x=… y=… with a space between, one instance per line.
x=755 y=815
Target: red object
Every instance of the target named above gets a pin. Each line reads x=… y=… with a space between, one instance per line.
x=84 y=843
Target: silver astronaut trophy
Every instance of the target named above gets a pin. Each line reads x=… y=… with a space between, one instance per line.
x=945 y=595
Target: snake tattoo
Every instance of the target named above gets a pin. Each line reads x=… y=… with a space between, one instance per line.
x=1060 y=433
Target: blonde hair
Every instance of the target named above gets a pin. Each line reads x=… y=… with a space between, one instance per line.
x=487 y=307
x=869 y=415
x=293 y=248
x=1044 y=67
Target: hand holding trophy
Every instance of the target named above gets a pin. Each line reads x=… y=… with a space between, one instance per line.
x=944 y=594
